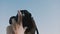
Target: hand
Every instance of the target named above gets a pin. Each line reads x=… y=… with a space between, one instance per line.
x=17 y=26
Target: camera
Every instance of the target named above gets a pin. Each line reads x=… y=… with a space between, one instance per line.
x=27 y=21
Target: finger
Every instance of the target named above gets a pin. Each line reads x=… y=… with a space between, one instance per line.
x=19 y=17
x=14 y=24
x=21 y=24
x=14 y=27
x=13 y=21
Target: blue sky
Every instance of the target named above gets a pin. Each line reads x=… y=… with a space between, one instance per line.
x=45 y=12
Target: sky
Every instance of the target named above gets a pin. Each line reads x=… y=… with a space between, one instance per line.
x=46 y=14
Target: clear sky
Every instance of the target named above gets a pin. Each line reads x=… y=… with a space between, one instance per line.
x=45 y=12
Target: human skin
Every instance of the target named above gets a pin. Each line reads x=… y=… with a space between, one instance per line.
x=17 y=26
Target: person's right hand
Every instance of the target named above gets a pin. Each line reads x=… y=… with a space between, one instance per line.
x=17 y=26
